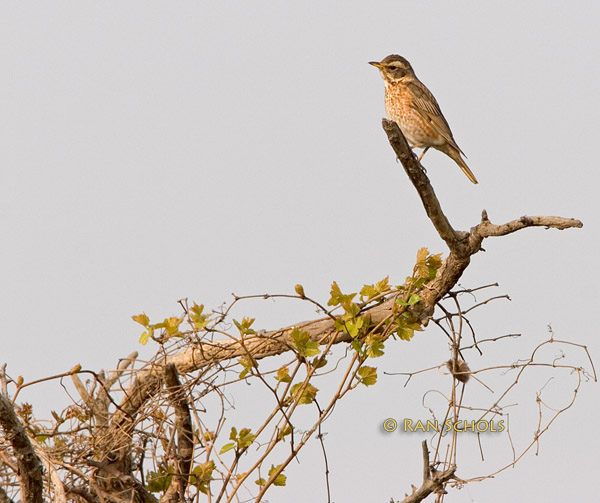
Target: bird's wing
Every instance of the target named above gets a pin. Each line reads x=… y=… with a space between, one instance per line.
x=425 y=103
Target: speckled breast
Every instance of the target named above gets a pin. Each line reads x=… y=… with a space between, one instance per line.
x=418 y=131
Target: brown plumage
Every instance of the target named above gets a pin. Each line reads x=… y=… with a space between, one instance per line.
x=412 y=106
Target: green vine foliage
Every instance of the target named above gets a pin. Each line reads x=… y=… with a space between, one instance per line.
x=292 y=383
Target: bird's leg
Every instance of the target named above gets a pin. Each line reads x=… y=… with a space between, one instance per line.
x=423 y=153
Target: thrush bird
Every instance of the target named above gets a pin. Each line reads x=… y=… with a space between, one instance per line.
x=412 y=106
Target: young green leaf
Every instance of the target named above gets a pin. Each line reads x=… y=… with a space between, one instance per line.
x=303 y=394
x=245 y=438
x=283 y=374
x=159 y=481
x=227 y=447
x=146 y=335
x=142 y=319
x=303 y=344
x=171 y=325
x=374 y=346
x=199 y=319
x=244 y=326
x=249 y=363
x=368 y=375
x=318 y=362
x=202 y=475
x=337 y=297
x=413 y=299
x=281 y=479
x=283 y=433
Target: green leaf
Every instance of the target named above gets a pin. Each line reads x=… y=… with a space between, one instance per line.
x=171 y=325
x=159 y=481
x=337 y=297
x=245 y=438
x=357 y=346
x=142 y=319
x=434 y=262
x=260 y=482
x=383 y=285
x=413 y=299
x=355 y=326
x=303 y=344
x=197 y=310
x=426 y=267
x=352 y=309
x=146 y=335
x=303 y=394
x=248 y=362
x=244 y=326
x=199 y=319
x=280 y=480
x=318 y=362
x=202 y=475
x=349 y=324
x=367 y=292
x=405 y=333
x=421 y=267
x=283 y=433
x=283 y=374
x=227 y=447
x=368 y=375
x=374 y=346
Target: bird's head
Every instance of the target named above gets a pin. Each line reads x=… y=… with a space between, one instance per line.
x=393 y=68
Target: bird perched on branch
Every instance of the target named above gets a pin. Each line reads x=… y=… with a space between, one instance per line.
x=412 y=106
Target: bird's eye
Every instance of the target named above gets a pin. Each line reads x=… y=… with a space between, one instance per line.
x=393 y=67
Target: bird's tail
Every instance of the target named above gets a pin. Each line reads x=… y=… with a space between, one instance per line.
x=455 y=155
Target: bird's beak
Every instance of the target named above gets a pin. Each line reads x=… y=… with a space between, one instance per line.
x=375 y=63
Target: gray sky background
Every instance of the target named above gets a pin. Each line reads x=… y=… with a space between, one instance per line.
x=154 y=150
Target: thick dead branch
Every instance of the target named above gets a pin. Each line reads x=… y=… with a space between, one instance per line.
x=433 y=481
x=459 y=242
x=57 y=485
x=83 y=493
x=486 y=229
x=462 y=246
x=30 y=466
x=185 y=439
x=4 y=498
x=129 y=488
x=419 y=179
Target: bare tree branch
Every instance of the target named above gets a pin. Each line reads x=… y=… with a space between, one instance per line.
x=30 y=466
x=83 y=493
x=204 y=355
x=132 y=488
x=433 y=481
x=57 y=485
x=4 y=497
x=185 y=436
x=419 y=179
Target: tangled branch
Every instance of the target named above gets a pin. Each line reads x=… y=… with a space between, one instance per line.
x=100 y=445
